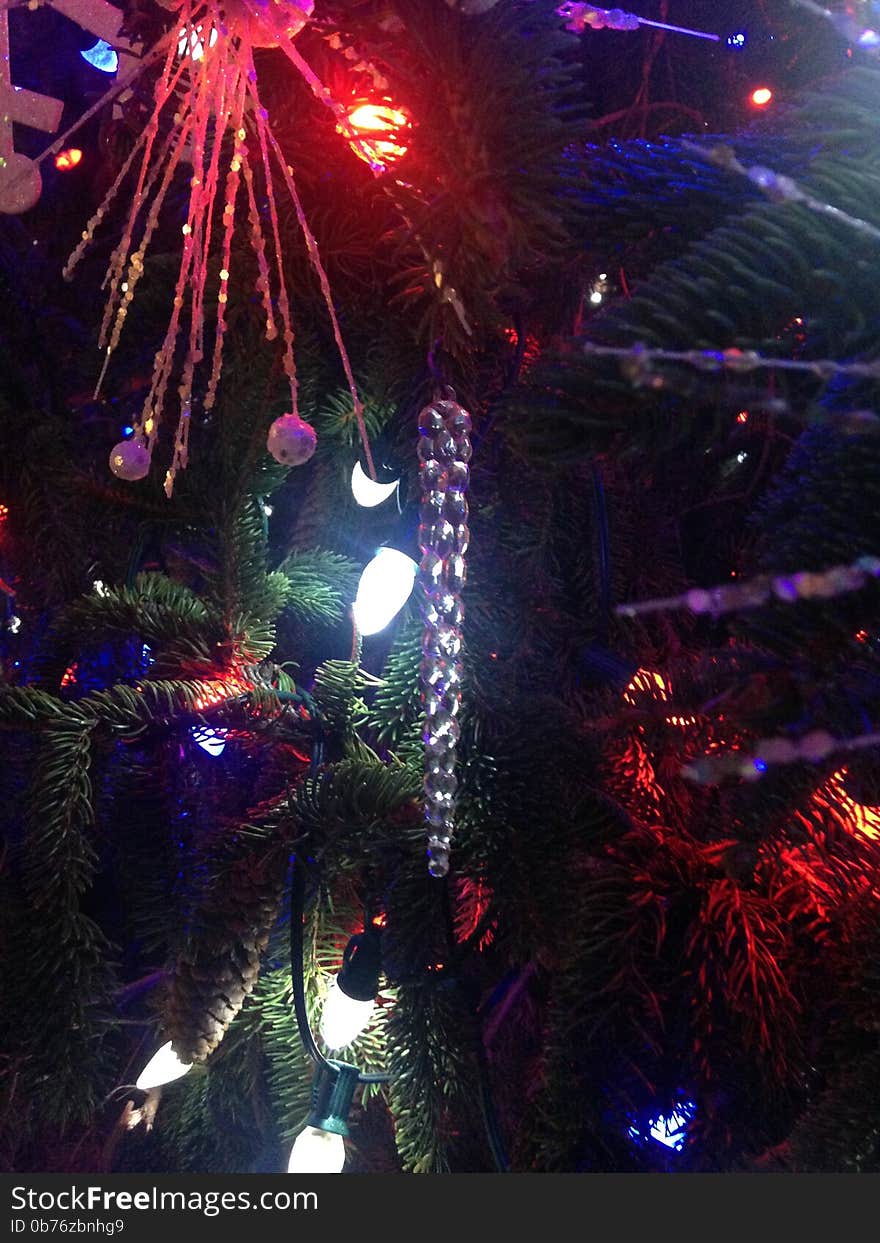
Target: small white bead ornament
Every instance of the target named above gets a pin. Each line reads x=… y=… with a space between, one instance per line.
x=129 y=460
x=291 y=440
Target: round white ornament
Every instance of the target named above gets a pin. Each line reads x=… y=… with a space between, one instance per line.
x=20 y=184
x=291 y=440
x=129 y=460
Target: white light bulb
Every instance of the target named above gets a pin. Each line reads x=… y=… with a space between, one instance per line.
x=163 y=1067
x=595 y=297
x=343 y=1018
x=367 y=491
x=317 y=1152
x=385 y=586
x=188 y=39
x=211 y=740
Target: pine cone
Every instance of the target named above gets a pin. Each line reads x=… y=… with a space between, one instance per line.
x=219 y=964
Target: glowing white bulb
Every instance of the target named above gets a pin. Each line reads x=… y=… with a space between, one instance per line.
x=595 y=297
x=317 y=1152
x=211 y=740
x=101 y=56
x=367 y=491
x=163 y=1067
x=343 y=1018
x=99 y=588
x=384 y=588
x=189 y=40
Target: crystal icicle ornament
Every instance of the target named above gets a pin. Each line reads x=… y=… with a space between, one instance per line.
x=444 y=450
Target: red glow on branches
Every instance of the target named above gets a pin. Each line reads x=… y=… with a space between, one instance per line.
x=833 y=799
x=221 y=689
x=647 y=681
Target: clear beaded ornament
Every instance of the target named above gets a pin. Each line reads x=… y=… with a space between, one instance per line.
x=444 y=450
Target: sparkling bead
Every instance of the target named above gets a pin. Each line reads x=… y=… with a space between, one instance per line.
x=433 y=474
x=461 y=538
x=460 y=422
x=448 y=641
x=431 y=421
x=698 y=601
x=785 y=589
x=464 y=449
x=438 y=821
x=429 y=535
x=777 y=750
x=440 y=746
x=432 y=671
x=456 y=573
x=458 y=476
x=446 y=447
x=442 y=725
x=816 y=745
x=441 y=787
x=431 y=567
x=456 y=508
x=431 y=507
x=427 y=448
x=438 y=862
x=439 y=842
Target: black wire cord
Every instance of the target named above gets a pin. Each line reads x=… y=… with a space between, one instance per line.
x=298 y=981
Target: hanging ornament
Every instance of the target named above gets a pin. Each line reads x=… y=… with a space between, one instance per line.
x=444 y=453
x=291 y=440
x=129 y=460
x=207 y=114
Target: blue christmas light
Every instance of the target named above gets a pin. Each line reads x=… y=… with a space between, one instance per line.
x=761 y=765
x=211 y=740
x=128 y=431
x=101 y=56
x=670 y=1130
x=737 y=40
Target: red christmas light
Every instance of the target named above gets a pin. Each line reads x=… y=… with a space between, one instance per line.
x=761 y=96
x=380 y=127
x=65 y=160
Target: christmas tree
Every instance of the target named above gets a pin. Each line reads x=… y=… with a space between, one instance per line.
x=446 y=735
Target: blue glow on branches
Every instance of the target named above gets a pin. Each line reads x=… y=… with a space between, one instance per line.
x=101 y=56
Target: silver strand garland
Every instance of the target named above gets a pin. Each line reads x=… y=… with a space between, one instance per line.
x=444 y=453
x=754 y=592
